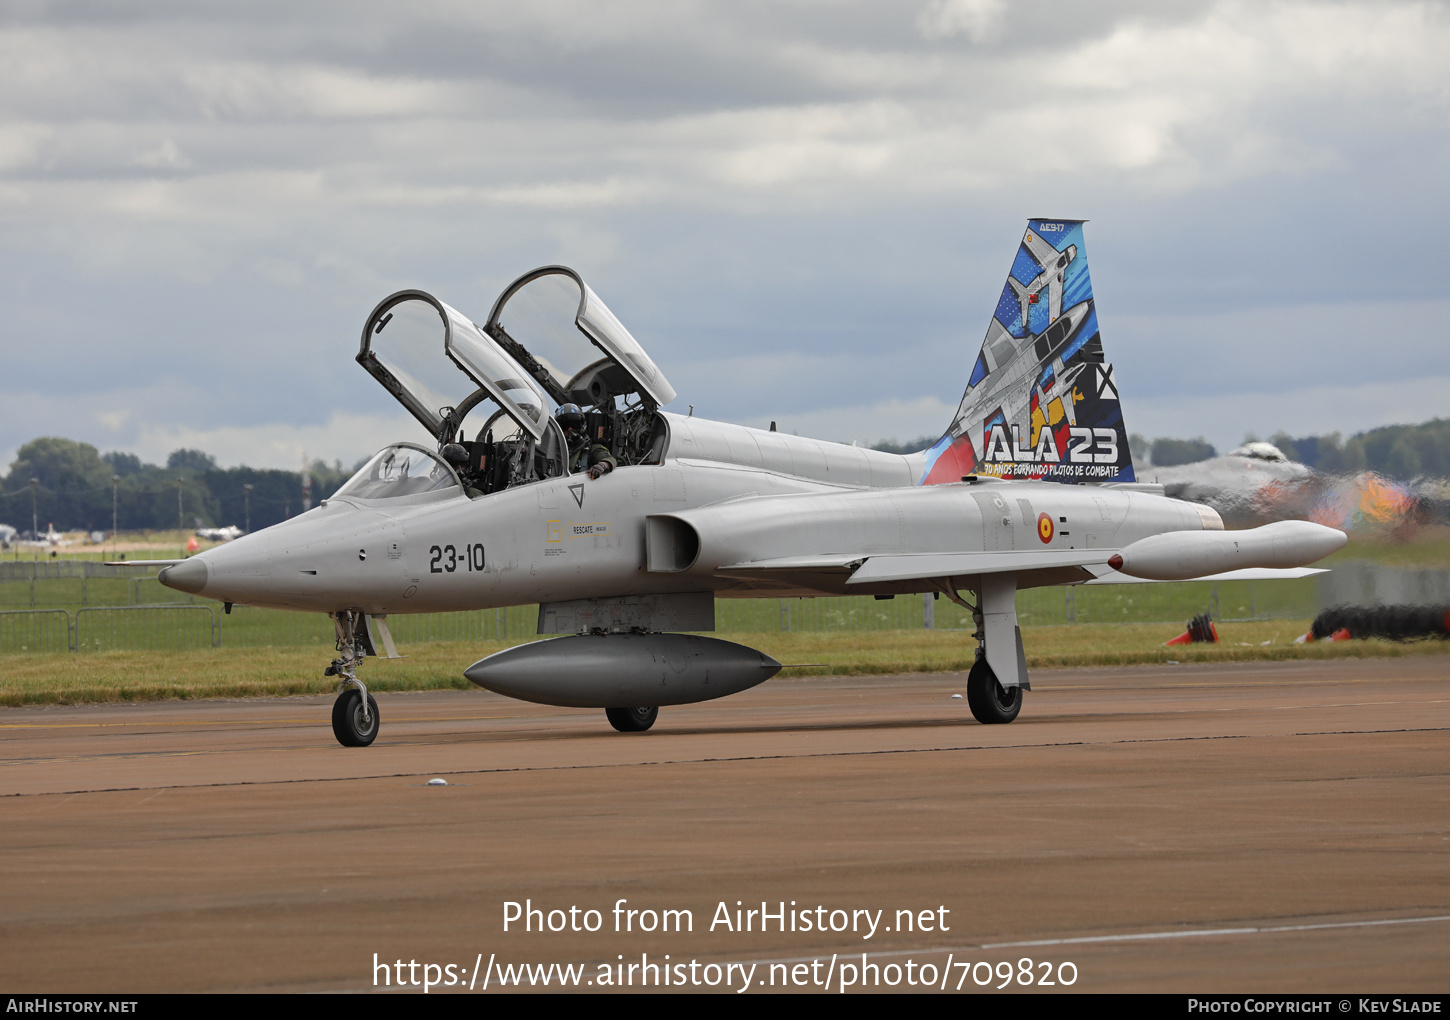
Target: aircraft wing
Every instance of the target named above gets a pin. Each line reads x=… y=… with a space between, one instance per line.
x=855 y=574
x=1043 y=251
x=831 y=561
x=920 y=566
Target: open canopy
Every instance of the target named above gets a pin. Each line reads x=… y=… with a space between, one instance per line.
x=571 y=343
x=403 y=347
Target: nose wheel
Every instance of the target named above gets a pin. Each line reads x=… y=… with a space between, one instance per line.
x=632 y=720
x=355 y=718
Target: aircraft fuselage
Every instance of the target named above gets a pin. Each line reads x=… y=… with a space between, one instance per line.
x=573 y=537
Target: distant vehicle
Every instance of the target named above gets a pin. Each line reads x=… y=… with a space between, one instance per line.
x=624 y=523
x=227 y=534
x=8 y=535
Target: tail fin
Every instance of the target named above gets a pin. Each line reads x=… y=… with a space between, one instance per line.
x=1041 y=402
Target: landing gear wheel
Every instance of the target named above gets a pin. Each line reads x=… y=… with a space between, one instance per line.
x=990 y=701
x=632 y=720
x=348 y=724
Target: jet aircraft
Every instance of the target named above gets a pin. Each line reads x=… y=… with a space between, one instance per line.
x=50 y=537
x=1031 y=484
x=1252 y=484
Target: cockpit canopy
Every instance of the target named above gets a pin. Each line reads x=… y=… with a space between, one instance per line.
x=402 y=469
x=555 y=325
x=549 y=341
x=408 y=344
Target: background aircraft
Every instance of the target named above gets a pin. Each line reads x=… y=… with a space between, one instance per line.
x=500 y=510
x=1252 y=484
x=49 y=537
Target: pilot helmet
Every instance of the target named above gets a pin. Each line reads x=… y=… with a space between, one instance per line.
x=569 y=417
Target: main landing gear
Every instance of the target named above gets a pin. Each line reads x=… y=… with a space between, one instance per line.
x=355 y=718
x=632 y=720
x=989 y=701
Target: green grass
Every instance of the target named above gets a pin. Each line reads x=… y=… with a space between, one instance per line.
x=1423 y=549
x=110 y=676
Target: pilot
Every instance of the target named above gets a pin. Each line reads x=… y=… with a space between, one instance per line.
x=457 y=455
x=581 y=451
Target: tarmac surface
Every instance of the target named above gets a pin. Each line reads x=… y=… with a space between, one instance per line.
x=1236 y=828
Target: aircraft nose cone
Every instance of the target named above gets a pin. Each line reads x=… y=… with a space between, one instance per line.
x=190 y=577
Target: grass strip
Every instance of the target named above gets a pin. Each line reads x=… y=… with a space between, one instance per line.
x=67 y=679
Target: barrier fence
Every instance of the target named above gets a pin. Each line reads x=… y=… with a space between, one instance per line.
x=87 y=607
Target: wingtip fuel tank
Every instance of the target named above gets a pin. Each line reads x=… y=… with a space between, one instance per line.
x=617 y=670
x=1183 y=555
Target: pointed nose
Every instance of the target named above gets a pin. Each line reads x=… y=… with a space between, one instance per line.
x=190 y=577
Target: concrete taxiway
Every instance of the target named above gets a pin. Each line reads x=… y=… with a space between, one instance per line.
x=1256 y=827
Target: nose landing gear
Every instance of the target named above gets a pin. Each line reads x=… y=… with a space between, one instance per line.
x=355 y=719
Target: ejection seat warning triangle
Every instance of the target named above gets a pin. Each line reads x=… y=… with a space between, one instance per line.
x=578 y=491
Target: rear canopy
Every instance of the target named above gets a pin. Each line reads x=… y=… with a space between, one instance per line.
x=554 y=325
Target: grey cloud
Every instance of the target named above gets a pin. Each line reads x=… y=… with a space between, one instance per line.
x=217 y=196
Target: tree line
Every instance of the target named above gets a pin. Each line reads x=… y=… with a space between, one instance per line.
x=74 y=489
x=1402 y=452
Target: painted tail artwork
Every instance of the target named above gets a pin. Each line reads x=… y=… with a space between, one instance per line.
x=1041 y=402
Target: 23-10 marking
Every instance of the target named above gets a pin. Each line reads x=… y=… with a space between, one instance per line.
x=446 y=559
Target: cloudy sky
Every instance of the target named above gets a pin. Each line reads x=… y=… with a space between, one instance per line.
x=803 y=209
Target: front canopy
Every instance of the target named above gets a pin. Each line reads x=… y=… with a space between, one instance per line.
x=403 y=469
x=433 y=359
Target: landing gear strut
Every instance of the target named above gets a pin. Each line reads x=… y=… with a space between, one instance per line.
x=990 y=702
x=355 y=718
x=632 y=720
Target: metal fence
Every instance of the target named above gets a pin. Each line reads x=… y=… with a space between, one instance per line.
x=35 y=630
x=35 y=584
x=189 y=623
x=159 y=628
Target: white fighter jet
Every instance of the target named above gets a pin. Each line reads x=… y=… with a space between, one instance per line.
x=555 y=477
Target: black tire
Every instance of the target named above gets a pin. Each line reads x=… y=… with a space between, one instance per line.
x=632 y=720
x=990 y=702
x=347 y=719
